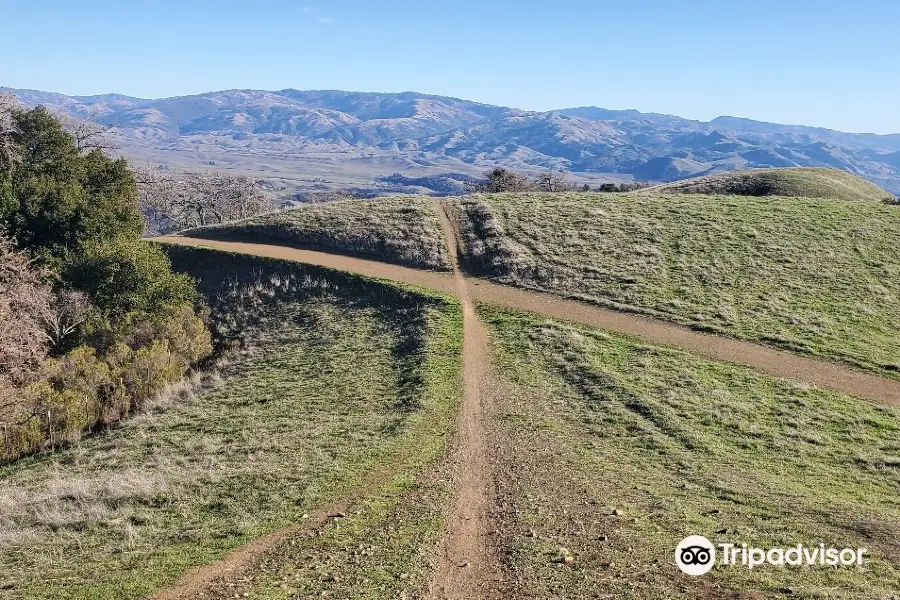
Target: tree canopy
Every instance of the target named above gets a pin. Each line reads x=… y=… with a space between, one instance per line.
x=58 y=200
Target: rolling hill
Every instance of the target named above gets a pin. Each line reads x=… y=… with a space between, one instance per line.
x=315 y=139
x=800 y=182
x=812 y=275
x=427 y=437
x=402 y=230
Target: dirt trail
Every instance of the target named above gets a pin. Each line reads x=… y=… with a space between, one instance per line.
x=467 y=567
x=212 y=580
x=435 y=280
x=821 y=373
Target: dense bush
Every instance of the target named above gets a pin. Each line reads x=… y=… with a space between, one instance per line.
x=127 y=276
x=96 y=320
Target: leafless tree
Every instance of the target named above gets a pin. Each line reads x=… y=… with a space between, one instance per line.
x=88 y=135
x=25 y=303
x=175 y=200
x=554 y=181
x=69 y=310
x=8 y=154
x=500 y=180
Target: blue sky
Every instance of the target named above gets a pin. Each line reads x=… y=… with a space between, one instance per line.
x=827 y=63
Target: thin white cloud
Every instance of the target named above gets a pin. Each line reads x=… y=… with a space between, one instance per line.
x=326 y=20
x=305 y=9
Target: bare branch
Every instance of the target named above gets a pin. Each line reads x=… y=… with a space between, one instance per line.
x=176 y=200
x=9 y=154
x=553 y=181
x=69 y=310
x=88 y=134
x=25 y=303
x=500 y=180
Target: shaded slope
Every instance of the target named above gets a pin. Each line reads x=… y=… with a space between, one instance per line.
x=820 y=373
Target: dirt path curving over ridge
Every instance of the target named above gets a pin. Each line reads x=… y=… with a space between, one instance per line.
x=433 y=280
x=820 y=373
x=467 y=566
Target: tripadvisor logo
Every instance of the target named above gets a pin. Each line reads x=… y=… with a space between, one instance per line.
x=696 y=555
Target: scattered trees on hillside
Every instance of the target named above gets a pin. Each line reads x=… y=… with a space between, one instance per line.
x=623 y=186
x=176 y=200
x=502 y=180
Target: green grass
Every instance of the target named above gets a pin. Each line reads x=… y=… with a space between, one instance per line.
x=403 y=230
x=334 y=388
x=815 y=276
x=798 y=182
x=590 y=423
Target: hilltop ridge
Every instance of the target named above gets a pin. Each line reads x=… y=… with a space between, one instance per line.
x=818 y=182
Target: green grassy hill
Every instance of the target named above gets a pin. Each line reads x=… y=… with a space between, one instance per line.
x=615 y=450
x=816 y=276
x=605 y=450
x=403 y=230
x=805 y=182
x=341 y=377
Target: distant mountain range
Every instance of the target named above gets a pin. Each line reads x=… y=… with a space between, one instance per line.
x=334 y=137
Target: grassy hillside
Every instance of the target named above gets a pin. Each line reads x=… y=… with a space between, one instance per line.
x=342 y=378
x=612 y=451
x=403 y=230
x=804 y=182
x=815 y=276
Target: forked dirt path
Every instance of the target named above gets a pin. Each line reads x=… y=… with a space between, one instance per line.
x=820 y=373
x=466 y=566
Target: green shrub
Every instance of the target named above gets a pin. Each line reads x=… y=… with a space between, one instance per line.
x=81 y=391
x=124 y=277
